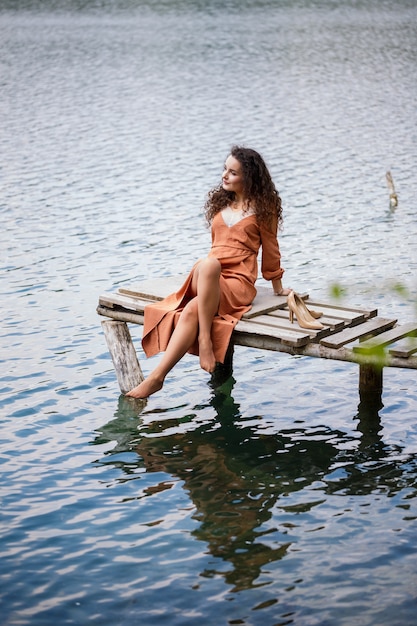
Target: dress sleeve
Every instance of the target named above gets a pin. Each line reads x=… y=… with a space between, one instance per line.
x=271 y=256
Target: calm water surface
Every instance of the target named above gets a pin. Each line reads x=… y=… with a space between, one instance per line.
x=276 y=497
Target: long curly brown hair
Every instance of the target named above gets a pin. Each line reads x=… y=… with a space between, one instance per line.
x=259 y=190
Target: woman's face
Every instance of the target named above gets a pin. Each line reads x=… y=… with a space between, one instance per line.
x=232 y=178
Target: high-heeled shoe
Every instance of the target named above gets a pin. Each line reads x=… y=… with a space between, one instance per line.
x=315 y=314
x=305 y=318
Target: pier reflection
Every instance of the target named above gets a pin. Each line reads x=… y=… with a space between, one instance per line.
x=238 y=477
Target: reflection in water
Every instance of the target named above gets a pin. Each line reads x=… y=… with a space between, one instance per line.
x=369 y=423
x=237 y=476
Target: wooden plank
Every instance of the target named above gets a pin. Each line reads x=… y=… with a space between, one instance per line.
x=399 y=332
x=339 y=307
x=136 y=302
x=349 y=317
x=106 y=299
x=287 y=332
x=332 y=323
x=266 y=301
x=121 y=316
x=404 y=348
x=370 y=327
x=245 y=335
x=155 y=288
x=289 y=337
x=285 y=325
x=126 y=302
x=276 y=318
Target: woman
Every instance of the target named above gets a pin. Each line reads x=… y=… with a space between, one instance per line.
x=244 y=212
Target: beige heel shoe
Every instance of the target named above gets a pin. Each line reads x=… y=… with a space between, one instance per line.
x=315 y=314
x=305 y=317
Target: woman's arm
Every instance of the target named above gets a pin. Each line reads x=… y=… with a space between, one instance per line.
x=271 y=261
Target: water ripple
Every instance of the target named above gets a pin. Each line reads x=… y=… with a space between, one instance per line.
x=279 y=496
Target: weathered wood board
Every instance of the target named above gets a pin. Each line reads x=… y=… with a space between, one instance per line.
x=269 y=313
x=370 y=327
x=384 y=339
x=267 y=324
x=159 y=288
x=404 y=348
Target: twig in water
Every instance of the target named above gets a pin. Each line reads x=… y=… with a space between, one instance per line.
x=393 y=198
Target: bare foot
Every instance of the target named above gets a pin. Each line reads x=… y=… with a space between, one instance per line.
x=207 y=360
x=283 y=292
x=146 y=388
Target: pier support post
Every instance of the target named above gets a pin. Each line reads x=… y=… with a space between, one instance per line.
x=223 y=370
x=370 y=382
x=123 y=354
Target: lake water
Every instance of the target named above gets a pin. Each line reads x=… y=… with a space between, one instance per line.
x=275 y=498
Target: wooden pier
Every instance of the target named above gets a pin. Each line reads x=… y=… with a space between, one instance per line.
x=350 y=334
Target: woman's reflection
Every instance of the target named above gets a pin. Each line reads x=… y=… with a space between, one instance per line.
x=236 y=475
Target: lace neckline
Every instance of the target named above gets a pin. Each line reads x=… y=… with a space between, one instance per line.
x=231 y=217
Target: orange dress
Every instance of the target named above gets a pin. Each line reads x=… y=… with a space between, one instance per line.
x=236 y=247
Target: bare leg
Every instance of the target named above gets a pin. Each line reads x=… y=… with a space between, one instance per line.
x=206 y=285
x=195 y=320
x=183 y=337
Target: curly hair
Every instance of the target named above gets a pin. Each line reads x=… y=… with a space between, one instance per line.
x=258 y=188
